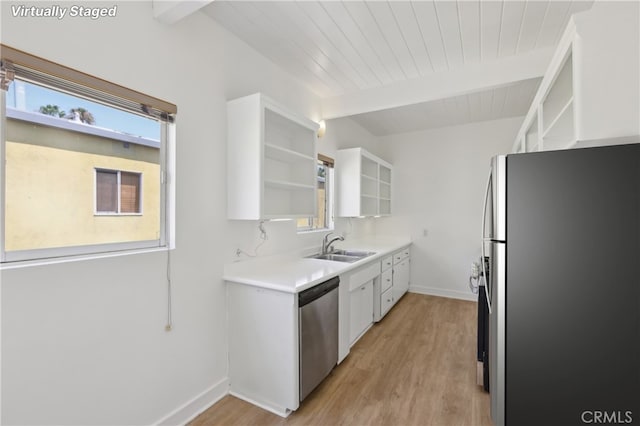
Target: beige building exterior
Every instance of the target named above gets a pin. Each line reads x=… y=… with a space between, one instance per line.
x=51 y=186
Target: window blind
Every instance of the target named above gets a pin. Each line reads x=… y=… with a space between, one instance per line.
x=41 y=71
x=129 y=192
x=106 y=191
x=327 y=161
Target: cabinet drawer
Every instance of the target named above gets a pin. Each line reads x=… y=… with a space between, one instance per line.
x=387 y=262
x=364 y=274
x=399 y=255
x=385 y=280
x=386 y=301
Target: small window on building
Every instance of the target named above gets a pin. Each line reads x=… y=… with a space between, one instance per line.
x=118 y=192
x=324 y=216
x=79 y=154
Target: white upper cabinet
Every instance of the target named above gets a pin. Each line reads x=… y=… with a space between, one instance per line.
x=550 y=123
x=364 y=184
x=590 y=89
x=271 y=161
x=531 y=140
x=557 y=112
x=384 y=190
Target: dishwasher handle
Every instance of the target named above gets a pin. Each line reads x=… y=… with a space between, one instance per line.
x=317 y=291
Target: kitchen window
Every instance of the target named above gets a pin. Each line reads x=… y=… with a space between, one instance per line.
x=85 y=164
x=324 y=217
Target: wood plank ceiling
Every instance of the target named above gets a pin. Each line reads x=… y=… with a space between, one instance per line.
x=337 y=48
x=502 y=102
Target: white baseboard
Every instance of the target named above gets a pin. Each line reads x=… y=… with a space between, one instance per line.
x=452 y=294
x=196 y=406
x=282 y=412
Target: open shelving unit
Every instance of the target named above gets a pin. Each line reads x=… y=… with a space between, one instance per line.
x=364 y=184
x=271 y=159
x=586 y=96
x=557 y=110
x=532 y=140
x=384 y=191
x=368 y=187
x=550 y=123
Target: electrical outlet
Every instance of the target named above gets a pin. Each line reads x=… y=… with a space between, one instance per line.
x=425 y=232
x=475 y=270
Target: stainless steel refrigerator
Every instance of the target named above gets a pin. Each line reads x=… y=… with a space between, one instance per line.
x=562 y=232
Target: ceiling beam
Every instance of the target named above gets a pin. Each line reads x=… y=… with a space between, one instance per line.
x=169 y=12
x=441 y=85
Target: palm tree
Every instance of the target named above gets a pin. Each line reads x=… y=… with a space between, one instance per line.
x=84 y=115
x=53 y=110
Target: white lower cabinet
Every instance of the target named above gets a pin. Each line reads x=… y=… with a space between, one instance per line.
x=263 y=347
x=386 y=280
x=361 y=306
x=264 y=332
x=386 y=301
x=356 y=305
x=393 y=282
x=400 y=278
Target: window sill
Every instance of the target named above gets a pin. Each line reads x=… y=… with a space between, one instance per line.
x=79 y=258
x=117 y=214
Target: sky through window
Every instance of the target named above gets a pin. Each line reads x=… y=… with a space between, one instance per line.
x=26 y=96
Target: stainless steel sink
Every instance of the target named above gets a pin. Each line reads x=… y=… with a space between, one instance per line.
x=355 y=253
x=348 y=256
x=336 y=257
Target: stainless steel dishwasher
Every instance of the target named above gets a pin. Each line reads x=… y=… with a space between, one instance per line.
x=318 y=334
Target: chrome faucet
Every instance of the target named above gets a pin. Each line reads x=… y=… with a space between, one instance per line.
x=326 y=243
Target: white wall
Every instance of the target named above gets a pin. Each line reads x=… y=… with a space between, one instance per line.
x=439 y=181
x=84 y=342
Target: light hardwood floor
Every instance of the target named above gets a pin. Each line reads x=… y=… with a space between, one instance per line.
x=416 y=367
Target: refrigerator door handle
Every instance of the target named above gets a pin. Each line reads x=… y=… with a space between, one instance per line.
x=484 y=207
x=487 y=285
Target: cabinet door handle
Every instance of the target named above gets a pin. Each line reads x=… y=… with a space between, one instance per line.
x=388 y=279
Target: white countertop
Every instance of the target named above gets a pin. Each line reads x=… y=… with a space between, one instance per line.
x=293 y=273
